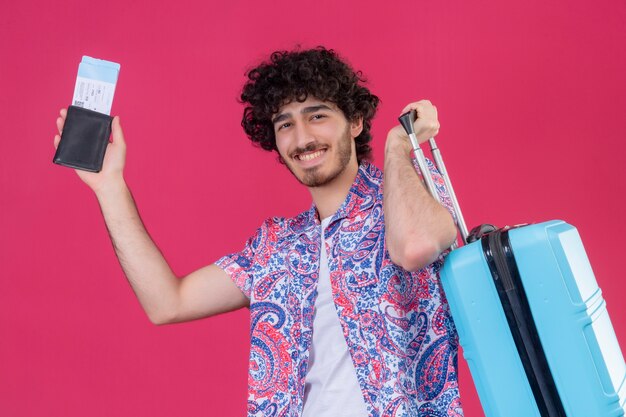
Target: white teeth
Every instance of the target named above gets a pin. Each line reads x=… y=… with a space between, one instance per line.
x=310 y=156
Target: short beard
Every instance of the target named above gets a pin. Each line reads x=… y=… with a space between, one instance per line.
x=312 y=177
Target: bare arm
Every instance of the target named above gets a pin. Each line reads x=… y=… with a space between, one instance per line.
x=164 y=297
x=417 y=228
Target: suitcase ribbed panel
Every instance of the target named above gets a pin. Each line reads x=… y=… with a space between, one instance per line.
x=571 y=319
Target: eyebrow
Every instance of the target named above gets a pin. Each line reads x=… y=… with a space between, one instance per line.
x=309 y=109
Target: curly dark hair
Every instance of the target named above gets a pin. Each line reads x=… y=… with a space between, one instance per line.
x=294 y=75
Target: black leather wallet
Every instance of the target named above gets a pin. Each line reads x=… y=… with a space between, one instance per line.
x=84 y=139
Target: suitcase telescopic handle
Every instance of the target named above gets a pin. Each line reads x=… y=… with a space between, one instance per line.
x=407 y=120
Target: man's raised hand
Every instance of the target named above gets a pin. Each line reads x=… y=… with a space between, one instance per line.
x=114 y=158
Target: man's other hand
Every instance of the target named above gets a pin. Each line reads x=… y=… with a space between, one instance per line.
x=426 y=125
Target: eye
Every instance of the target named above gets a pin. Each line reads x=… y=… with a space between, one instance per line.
x=318 y=116
x=283 y=126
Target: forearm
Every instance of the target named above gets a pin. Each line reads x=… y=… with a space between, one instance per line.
x=417 y=228
x=147 y=271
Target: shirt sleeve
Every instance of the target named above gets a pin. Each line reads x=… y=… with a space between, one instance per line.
x=250 y=264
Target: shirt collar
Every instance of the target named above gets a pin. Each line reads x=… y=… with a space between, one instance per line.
x=361 y=196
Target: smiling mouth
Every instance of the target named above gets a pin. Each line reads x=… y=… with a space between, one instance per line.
x=310 y=156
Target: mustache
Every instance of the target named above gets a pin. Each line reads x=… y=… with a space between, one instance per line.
x=310 y=147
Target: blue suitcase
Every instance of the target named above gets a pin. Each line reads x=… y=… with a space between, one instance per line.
x=531 y=319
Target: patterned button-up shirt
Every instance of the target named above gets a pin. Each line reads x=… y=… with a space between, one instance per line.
x=396 y=323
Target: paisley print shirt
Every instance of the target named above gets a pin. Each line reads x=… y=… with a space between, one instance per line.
x=396 y=323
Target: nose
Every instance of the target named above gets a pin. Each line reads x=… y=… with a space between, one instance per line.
x=304 y=136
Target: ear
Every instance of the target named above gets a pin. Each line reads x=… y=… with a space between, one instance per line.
x=356 y=126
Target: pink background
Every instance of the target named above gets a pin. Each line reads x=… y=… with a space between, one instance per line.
x=531 y=96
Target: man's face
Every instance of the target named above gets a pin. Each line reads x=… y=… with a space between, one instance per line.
x=315 y=140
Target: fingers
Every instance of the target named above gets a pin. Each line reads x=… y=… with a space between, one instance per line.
x=61 y=120
x=60 y=123
x=426 y=121
x=116 y=131
x=418 y=106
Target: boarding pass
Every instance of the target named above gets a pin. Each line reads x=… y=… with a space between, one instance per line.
x=95 y=84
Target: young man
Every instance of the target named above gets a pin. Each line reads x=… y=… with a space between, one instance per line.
x=347 y=314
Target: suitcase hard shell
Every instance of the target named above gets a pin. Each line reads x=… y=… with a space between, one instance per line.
x=584 y=375
x=530 y=316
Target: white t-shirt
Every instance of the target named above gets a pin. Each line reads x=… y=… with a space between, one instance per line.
x=331 y=386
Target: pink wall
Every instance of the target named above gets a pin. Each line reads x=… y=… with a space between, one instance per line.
x=531 y=96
